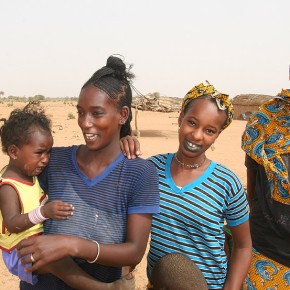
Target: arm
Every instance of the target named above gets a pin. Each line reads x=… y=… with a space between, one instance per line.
x=251 y=184
x=130 y=147
x=252 y=168
x=128 y=253
x=17 y=222
x=240 y=256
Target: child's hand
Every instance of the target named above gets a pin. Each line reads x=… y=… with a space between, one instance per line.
x=130 y=146
x=57 y=210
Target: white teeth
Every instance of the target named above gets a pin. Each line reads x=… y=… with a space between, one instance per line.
x=191 y=145
x=90 y=136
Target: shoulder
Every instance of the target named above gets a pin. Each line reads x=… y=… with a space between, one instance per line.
x=139 y=164
x=159 y=159
x=227 y=176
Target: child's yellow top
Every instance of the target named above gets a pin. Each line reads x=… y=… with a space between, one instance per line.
x=30 y=196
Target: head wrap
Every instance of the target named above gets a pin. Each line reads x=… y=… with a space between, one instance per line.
x=206 y=89
x=266 y=138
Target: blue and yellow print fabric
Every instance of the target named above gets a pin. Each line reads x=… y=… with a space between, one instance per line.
x=266 y=273
x=266 y=138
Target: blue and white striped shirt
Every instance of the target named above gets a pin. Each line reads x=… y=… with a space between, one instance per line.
x=191 y=218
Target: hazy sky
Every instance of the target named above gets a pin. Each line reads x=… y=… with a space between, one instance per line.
x=52 y=47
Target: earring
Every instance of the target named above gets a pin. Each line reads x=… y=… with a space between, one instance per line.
x=212 y=147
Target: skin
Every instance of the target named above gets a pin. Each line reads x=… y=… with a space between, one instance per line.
x=251 y=184
x=100 y=122
x=26 y=161
x=199 y=127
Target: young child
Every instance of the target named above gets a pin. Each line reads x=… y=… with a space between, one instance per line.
x=176 y=271
x=26 y=138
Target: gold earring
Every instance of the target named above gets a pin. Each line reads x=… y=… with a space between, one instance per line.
x=212 y=147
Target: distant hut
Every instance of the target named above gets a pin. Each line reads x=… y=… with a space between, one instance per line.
x=246 y=104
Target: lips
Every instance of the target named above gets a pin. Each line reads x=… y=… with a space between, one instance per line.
x=191 y=146
x=38 y=170
x=90 y=136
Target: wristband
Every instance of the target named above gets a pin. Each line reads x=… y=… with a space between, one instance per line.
x=35 y=216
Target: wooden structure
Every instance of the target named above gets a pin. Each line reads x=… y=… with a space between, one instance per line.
x=157 y=104
x=246 y=104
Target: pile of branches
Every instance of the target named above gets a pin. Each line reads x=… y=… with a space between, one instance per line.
x=157 y=104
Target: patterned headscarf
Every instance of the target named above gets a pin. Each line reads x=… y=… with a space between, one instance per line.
x=222 y=100
x=266 y=138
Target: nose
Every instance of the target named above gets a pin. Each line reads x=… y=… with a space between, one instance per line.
x=85 y=121
x=45 y=158
x=197 y=134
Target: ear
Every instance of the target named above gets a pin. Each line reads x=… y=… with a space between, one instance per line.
x=124 y=114
x=13 y=151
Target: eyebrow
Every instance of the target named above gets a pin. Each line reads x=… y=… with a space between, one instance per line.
x=91 y=107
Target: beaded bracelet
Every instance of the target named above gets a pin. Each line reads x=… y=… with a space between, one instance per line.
x=35 y=216
x=97 y=253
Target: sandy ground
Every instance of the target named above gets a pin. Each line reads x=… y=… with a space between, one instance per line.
x=158 y=135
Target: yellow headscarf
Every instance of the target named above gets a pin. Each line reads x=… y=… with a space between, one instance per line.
x=222 y=100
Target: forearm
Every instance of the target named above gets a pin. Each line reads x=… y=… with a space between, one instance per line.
x=116 y=255
x=18 y=223
x=128 y=253
x=238 y=268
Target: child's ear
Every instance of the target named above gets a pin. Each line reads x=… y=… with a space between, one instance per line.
x=13 y=151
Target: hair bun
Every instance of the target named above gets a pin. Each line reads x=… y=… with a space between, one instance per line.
x=117 y=65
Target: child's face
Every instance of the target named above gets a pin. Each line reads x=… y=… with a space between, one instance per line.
x=34 y=156
x=98 y=119
x=200 y=126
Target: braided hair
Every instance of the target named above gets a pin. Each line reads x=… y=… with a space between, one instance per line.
x=21 y=123
x=114 y=79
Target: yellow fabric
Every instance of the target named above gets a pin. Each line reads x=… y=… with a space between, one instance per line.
x=206 y=89
x=30 y=196
x=266 y=138
x=265 y=273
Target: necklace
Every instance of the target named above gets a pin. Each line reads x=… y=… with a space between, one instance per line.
x=193 y=166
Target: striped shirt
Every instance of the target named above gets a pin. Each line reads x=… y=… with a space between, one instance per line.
x=191 y=218
x=102 y=205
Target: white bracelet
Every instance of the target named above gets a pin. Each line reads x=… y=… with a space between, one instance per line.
x=35 y=216
x=94 y=261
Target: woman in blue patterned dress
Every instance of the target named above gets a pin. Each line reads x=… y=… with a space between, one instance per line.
x=266 y=142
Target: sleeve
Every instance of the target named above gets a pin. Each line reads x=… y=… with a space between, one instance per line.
x=145 y=198
x=237 y=205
